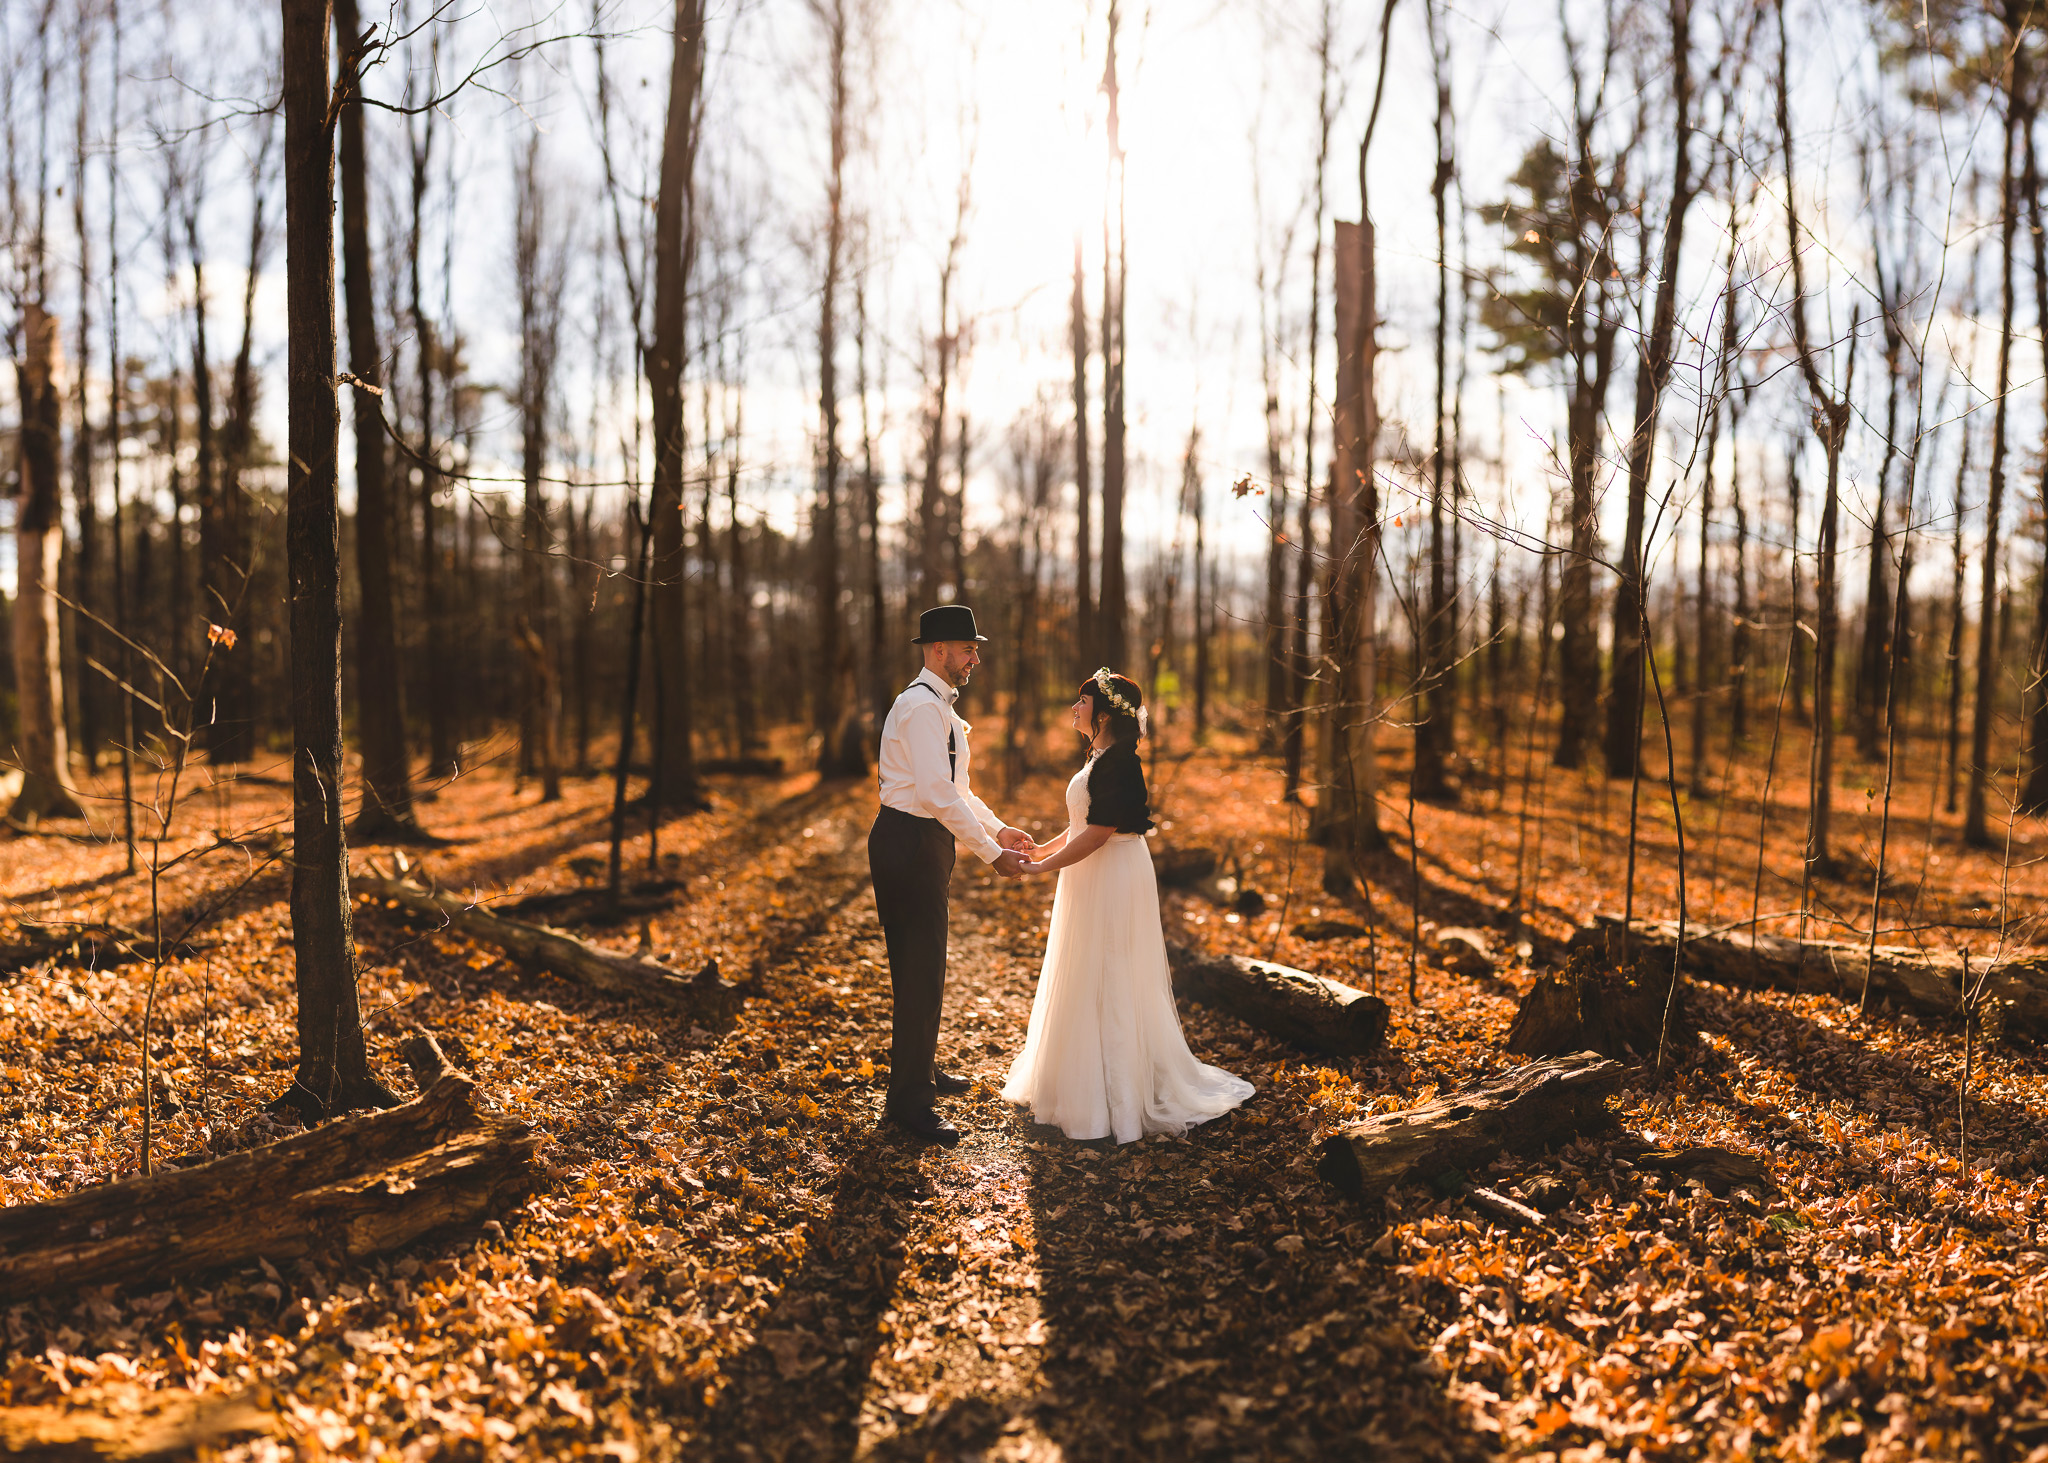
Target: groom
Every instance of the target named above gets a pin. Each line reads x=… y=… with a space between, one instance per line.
x=927 y=804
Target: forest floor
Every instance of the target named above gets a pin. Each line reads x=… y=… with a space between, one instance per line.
x=729 y=1258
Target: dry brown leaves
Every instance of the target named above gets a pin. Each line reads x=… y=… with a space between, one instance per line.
x=730 y=1259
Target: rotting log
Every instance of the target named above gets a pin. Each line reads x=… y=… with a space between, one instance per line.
x=704 y=997
x=133 y=1427
x=358 y=1186
x=1925 y=981
x=1524 y=1109
x=1309 y=1010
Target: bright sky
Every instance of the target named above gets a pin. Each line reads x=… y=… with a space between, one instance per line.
x=1218 y=126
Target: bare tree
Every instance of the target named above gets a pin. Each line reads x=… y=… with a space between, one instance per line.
x=840 y=749
x=1653 y=370
x=46 y=788
x=2018 y=118
x=675 y=204
x=1432 y=726
x=333 y=1073
x=1347 y=815
x=386 y=813
x=1112 y=609
x=1831 y=425
x=540 y=269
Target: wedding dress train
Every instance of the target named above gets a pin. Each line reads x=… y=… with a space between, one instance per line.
x=1105 y=1055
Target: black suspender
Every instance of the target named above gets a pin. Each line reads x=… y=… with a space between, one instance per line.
x=952 y=751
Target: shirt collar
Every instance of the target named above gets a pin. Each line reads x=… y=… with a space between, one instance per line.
x=937 y=683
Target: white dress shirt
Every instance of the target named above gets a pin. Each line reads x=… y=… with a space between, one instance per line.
x=912 y=763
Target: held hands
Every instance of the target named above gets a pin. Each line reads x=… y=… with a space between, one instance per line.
x=1013 y=864
x=1016 y=838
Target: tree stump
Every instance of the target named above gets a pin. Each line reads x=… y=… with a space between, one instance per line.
x=1529 y=1108
x=1592 y=1006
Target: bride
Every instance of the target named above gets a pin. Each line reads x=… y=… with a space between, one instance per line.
x=1105 y=1055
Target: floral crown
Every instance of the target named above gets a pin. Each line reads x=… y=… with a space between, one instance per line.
x=1104 y=679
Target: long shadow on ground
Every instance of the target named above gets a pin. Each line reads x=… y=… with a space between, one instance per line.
x=795 y=1394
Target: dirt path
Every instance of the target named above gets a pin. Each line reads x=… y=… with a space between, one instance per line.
x=1022 y=1296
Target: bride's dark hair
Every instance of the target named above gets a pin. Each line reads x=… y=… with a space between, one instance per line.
x=1124 y=729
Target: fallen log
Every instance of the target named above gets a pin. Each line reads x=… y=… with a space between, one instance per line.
x=1524 y=1109
x=358 y=1186
x=132 y=1427
x=1309 y=1010
x=704 y=996
x=94 y=944
x=1929 y=982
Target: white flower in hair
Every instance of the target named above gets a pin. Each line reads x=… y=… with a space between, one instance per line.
x=1105 y=683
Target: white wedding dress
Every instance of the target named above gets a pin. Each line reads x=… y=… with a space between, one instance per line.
x=1105 y=1055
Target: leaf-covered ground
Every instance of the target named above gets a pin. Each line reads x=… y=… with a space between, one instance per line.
x=730 y=1259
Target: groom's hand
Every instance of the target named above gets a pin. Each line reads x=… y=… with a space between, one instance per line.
x=1016 y=838
x=1012 y=864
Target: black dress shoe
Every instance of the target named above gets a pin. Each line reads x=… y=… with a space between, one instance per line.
x=924 y=1125
x=948 y=1085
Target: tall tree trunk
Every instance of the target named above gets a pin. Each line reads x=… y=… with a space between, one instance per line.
x=1299 y=653
x=931 y=503
x=2033 y=793
x=92 y=730
x=1203 y=602
x=1976 y=829
x=45 y=753
x=1084 y=491
x=1874 y=654
x=675 y=202
x=1274 y=632
x=443 y=751
x=333 y=1072
x=1958 y=581
x=840 y=751
x=226 y=563
x=539 y=282
x=1653 y=370
x=1113 y=610
x=1347 y=814
x=1831 y=423
x=1432 y=741
x=880 y=691
x=386 y=811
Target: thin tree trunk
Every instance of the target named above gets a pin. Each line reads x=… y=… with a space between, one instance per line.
x=676 y=781
x=840 y=752
x=540 y=279
x=386 y=812
x=1976 y=831
x=45 y=753
x=333 y=1072
x=1273 y=634
x=1653 y=370
x=1299 y=628
x=1432 y=741
x=85 y=500
x=1112 y=610
x=1831 y=423
x=2033 y=791
x=1084 y=493
x=1348 y=813
x=1953 y=658
x=228 y=562
x=443 y=752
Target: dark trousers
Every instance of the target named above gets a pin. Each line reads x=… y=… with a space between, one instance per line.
x=911 y=860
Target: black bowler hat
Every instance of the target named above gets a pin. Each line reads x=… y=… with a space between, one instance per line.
x=946 y=622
